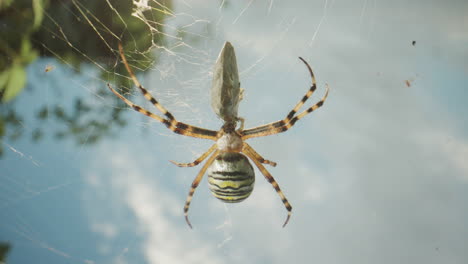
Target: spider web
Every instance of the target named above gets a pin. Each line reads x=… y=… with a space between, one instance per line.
x=85 y=179
x=181 y=44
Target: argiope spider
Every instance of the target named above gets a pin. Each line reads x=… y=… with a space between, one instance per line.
x=230 y=175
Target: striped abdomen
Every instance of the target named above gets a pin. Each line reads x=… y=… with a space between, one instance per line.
x=231 y=178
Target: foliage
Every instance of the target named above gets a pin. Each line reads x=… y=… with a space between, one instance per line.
x=78 y=34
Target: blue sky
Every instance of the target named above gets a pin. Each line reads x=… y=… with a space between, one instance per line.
x=378 y=175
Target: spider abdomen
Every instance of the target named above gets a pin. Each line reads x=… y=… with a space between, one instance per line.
x=231 y=177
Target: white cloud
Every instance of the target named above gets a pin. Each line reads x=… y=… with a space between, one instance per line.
x=152 y=209
x=447 y=149
x=371 y=177
x=107 y=230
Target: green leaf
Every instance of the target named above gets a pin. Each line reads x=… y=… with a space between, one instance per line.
x=27 y=53
x=38 y=9
x=15 y=83
x=4 y=79
x=5 y=4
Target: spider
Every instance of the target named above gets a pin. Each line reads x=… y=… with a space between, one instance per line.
x=230 y=175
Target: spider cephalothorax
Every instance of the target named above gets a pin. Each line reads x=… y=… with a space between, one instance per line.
x=230 y=175
x=229 y=142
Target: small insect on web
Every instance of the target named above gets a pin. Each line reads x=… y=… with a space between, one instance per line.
x=230 y=175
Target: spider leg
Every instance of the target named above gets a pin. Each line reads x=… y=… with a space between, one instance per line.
x=176 y=127
x=309 y=93
x=197 y=161
x=169 y=121
x=282 y=125
x=145 y=92
x=296 y=108
x=195 y=183
x=249 y=152
x=258 y=157
x=242 y=121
